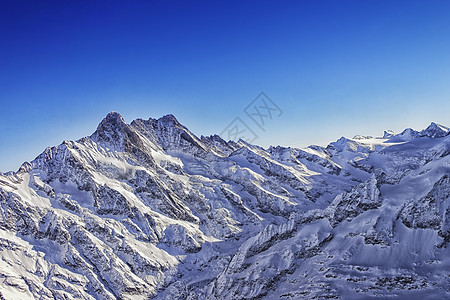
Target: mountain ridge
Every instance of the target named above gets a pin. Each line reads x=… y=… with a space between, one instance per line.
x=148 y=209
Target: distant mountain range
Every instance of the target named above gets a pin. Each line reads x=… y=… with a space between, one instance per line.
x=149 y=210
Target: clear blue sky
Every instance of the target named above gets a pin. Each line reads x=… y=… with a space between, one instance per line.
x=334 y=67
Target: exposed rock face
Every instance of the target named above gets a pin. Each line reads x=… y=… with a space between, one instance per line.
x=435 y=131
x=147 y=209
x=349 y=205
x=431 y=211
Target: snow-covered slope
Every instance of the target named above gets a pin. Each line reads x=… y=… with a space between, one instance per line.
x=149 y=210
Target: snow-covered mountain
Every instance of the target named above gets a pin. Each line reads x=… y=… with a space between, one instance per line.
x=149 y=210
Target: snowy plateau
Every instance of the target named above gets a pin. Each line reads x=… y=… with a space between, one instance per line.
x=148 y=210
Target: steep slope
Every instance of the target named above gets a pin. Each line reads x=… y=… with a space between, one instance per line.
x=148 y=209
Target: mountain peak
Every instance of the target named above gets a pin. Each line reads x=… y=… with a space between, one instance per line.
x=112 y=121
x=169 y=120
x=388 y=134
x=113 y=129
x=435 y=130
x=113 y=117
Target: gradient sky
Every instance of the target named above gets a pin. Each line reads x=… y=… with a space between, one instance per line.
x=334 y=67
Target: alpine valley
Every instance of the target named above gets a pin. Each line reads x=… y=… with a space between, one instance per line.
x=148 y=210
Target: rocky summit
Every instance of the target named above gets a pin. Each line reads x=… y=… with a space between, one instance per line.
x=149 y=210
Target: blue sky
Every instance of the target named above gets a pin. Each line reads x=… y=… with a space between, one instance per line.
x=334 y=67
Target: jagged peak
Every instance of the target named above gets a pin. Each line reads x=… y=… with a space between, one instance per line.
x=25 y=167
x=112 y=118
x=213 y=139
x=408 y=134
x=169 y=119
x=436 y=125
x=115 y=131
x=388 y=134
x=112 y=122
x=435 y=130
x=166 y=121
x=277 y=148
x=341 y=141
x=241 y=141
x=244 y=144
x=408 y=131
